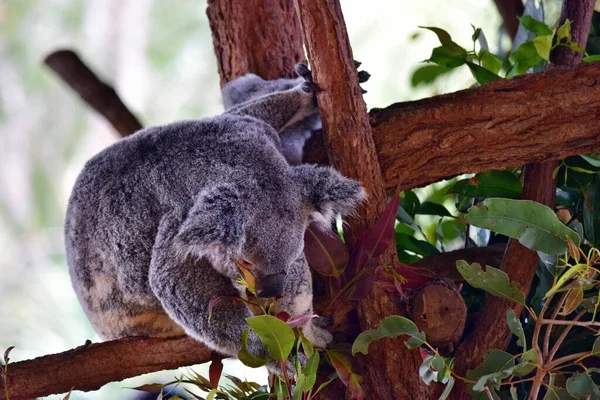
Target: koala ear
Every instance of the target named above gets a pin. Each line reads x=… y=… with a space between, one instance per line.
x=241 y=89
x=215 y=223
x=326 y=192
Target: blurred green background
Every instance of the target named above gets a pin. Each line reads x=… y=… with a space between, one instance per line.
x=159 y=57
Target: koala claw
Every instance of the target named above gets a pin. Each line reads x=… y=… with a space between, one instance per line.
x=363 y=76
x=310 y=87
x=303 y=71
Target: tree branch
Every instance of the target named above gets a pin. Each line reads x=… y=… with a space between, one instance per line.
x=90 y=366
x=97 y=94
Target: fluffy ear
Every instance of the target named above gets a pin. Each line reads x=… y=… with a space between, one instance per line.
x=214 y=225
x=326 y=192
x=241 y=89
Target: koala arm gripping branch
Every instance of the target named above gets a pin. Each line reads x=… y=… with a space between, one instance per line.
x=281 y=109
x=185 y=285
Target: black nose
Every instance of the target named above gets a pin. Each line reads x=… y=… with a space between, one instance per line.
x=271 y=285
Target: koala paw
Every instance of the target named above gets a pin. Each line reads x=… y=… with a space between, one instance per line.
x=319 y=337
x=308 y=86
x=363 y=76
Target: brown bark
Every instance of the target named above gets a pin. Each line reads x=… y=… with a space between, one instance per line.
x=531 y=118
x=351 y=150
x=510 y=10
x=97 y=94
x=89 y=367
x=259 y=36
x=519 y=262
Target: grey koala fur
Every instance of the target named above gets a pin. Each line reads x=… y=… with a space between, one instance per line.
x=293 y=136
x=155 y=221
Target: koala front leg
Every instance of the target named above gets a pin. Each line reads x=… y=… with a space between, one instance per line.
x=185 y=285
x=297 y=300
x=285 y=108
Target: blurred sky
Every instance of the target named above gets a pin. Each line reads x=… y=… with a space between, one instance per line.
x=158 y=55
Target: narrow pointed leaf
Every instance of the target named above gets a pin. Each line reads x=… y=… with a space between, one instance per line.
x=342 y=363
x=380 y=235
x=325 y=252
x=481 y=74
x=489 y=184
x=492 y=280
x=534 y=225
x=535 y=26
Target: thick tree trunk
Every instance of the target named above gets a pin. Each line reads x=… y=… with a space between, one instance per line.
x=351 y=150
x=258 y=36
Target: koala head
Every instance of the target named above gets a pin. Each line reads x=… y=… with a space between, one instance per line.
x=251 y=86
x=265 y=231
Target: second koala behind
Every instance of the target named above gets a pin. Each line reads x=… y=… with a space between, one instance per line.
x=155 y=221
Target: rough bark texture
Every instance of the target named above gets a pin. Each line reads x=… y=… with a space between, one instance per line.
x=519 y=262
x=531 y=118
x=259 y=36
x=510 y=10
x=97 y=94
x=89 y=367
x=351 y=150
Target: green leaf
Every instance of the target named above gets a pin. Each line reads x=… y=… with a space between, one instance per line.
x=490 y=61
x=535 y=26
x=543 y=45
x=534 y=225
x=427 y=74
x=516 y=328
x=491 y=370
x=482 y=75
x=492 y=280
x=276 y=335
x=489 y=184
x=591 y=160
x=448 y=58
x=248 y=358
x=564 y=32
x=389 y=327
x=443 y=36
x=588 y=59
x=524 y=58
x=527 y=363
x=581 y=386
x=412 y=244
x=307 y=346
x=576 y=48
x=513 y=393
x=556 y=393
x=310 y=370
x=410 y=202
x=299 y=387
x=431 y=208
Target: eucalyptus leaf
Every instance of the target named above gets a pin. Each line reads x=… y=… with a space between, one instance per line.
x=489 y=184
x=431 y=208
x=543 y=45
x=581 y=386
x=447 y=389
x=427 y=74
x=591 y=212
x=448 y=58
x=516 y=328
x=527 y=363
x=276 y=335
x=492 y=280
x=534 y=225
x=389 y=327
x=524 y=58
x=494 y=362
x=490 y=61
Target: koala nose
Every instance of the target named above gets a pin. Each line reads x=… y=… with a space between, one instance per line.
x=271 y=285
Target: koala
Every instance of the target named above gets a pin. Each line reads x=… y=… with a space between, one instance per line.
x=156 y=222
x=294 y=135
